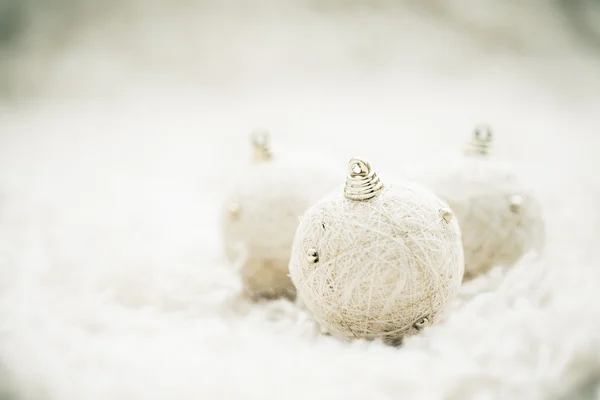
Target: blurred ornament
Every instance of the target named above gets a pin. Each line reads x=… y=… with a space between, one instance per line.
x=377 y=260
x=500 y=220
x=262 y=212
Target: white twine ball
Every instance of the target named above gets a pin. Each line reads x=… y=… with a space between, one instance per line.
x=262 y=213
x=377 y=262
x=500 y=220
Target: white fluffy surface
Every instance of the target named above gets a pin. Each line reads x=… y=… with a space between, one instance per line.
x=384 y=265
x=113 y=284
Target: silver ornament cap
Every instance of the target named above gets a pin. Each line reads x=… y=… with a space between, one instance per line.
x=260 y=140
x=481 y=142
x=361 y=183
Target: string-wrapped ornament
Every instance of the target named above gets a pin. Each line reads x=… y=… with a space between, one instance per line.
x=262 y=213
x=377 y=260
x=500 y=219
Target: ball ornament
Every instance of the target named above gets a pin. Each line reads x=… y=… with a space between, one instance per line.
x=377 y=259
x=500 y=219
x=262 y=213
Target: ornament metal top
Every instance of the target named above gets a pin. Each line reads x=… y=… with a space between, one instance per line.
x=362 y=183
x=481 y=142
x=261 y=145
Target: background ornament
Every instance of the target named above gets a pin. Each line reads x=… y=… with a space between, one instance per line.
x=261 y=215
x=500 y=219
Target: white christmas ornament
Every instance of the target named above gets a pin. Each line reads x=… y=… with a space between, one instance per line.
x=262 y=213
x=500 y=220
x=377 y=261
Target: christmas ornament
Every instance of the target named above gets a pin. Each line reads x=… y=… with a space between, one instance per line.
x=375 y=260
x=262 y=214
x=499 y=218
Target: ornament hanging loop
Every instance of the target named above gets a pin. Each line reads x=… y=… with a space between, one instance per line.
x=481 y=141
x=361 y=183
x=260 y=139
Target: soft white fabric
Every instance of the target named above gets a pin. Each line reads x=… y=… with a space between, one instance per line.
x=113 y=284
